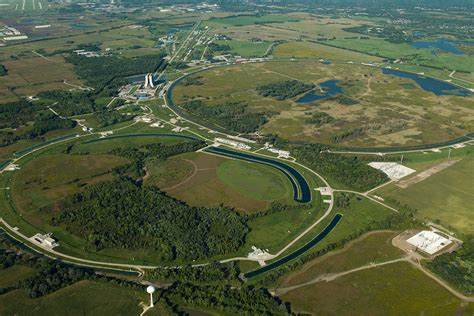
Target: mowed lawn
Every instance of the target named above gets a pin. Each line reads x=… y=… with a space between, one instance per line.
x=447 y=196
x=376 y=291
x=81 y=298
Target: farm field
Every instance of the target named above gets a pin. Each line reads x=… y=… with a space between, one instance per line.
x=375 y=291
x=82 y=297
x=33 y=75
x=410 y=115
x=445 y=197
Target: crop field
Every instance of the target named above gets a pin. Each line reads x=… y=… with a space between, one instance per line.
x=373 y=247
x=30 y=76
x=84 y=297
x=123 y=39
x=446 y=196
x=385 y=109
x=376 y=291
x=206 y=180
x=21 y=6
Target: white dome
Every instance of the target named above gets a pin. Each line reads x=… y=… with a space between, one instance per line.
x=150 y=289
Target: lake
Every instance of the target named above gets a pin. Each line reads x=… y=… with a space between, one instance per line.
x=329 y=87
x=442 y=44
x=435 y=86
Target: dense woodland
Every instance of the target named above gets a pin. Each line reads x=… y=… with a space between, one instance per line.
x=106 y=118
x=71 y=103
x=350 y=171
x=122 y=214
x=35 y=120
x=107 y=73
x=457 y=267
x=247 y=300
x=285 y=89
x=232 y=116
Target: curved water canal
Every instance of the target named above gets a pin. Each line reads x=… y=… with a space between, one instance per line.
x=313 y=242
x=301 y=190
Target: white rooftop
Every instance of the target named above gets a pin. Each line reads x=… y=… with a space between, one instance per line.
x=428 y=241
x=393 y=170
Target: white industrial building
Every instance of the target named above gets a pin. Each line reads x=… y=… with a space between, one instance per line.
x=429 y=242
x=232 y=143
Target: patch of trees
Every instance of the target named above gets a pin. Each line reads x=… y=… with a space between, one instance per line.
x=107 y=73
x=71 y=103
x=320 y=118
x=213 y=47
x=139 y=154
x=213 y=273
x=44 y=121
x=3 y=70
x=285 y=89
x=345 y=100
x=192 y=80
x=350 y=171
x=457 y=267
x=122 y=214
x=232 y=116
x=49 y=276
x=16 y=114
x=248 y=300
x=106 y=118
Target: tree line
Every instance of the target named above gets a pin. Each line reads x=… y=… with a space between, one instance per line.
x=233 y=116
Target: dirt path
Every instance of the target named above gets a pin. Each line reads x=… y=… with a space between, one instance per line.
x=195 y=171
x=333 y=276
x=368 y=91
x=346 y=247
x=426 y=174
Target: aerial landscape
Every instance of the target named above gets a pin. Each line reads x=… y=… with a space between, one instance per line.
x=237 y=157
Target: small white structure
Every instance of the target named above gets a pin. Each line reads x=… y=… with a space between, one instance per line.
x=393 y=170
x=150 y=290
x=429 y=242
x=45 y=240
x=280 y=153
x=12 y=167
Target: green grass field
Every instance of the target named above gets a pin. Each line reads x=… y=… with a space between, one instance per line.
x=254 y=180
x=81 y=298
x=247 y=49
x=14 y=274
x=396 y=289
x=446 y=196
x=373 y=247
